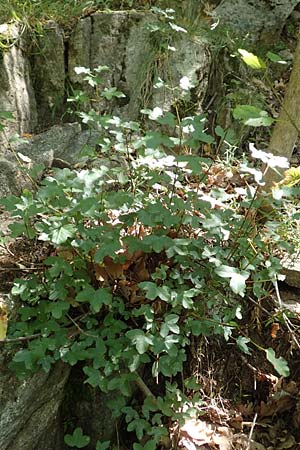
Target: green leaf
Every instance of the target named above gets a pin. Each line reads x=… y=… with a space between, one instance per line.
x=112 y=92
x=279 y=364
x=191 y=383
x=96 y=298
x=62 y=234
x=77 y=439
x=242 y=344
x=94 y=378
x=200 y=327
x=237 y=279
x=275 y=58
x=57 y=309
x=251 y=60
x=102 y=445
x=252 y=116
x=151 y=445
x=6 y=115
x=170 y=324
x=140 y=340
x=18 y=229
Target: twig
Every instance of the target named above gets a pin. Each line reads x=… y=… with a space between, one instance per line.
x=259 y=306
x=80 y=329
x=20 y=339
x=251 y=432
x=143 y=387
x=21 y=269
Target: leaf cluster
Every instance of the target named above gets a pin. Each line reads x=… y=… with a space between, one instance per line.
x=144 y=255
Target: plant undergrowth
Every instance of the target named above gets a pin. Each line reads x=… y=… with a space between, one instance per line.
x=144 y=256
x=34 y=12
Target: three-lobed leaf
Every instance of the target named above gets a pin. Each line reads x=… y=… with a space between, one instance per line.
x=77 y=439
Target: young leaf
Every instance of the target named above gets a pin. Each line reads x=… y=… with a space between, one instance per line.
x=238 y=283
x=242 y=344
x=140 y=339
x=150 y=445
x=251 y=60
x=279 y=364
x=63 y=233
x=275 y=58
x=102 y=445
x=237 y=279
x=252 y=116
x=77 y=439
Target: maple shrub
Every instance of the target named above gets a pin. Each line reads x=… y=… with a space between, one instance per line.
x=150 y=245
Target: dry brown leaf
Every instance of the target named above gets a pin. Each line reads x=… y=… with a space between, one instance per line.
x=276 y=405
x=109 y=270
x=198 y=430
x=223 y=438
x=246 y=409
x=66 y=253
x=140 y=272
x=241 y=442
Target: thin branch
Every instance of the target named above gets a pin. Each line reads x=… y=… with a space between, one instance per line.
x=251 y=432
x=21 y=339
x=143 y=387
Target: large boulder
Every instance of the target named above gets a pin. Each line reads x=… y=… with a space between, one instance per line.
x=124 y=42
x=59 y=146
x=258 y=20
x=30 y=409
x=16 y=90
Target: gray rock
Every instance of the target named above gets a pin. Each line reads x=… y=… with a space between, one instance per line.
x=291 y=270
x=79 y=48
x=62 y=143
x=57 y=142
x=16 y=91
x=257 y=19
x=123 y=41
x=48 y=74
x=10 y=178
x=29 y=415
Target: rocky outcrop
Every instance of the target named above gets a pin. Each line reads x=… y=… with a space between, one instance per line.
x=291 y=270
x=16 y=90
x=30 y=409
x=259 y=20
x=59 y=146
x=37 y=78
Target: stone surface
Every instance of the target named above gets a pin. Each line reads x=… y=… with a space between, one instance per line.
x=123 y=42
x=16 y=91
x=259 y=19
x=59 y=141
x=9 y=175
x=89 y=409
x=48 y=74
x=61 y=144
x=291 y=270
x=30 y=409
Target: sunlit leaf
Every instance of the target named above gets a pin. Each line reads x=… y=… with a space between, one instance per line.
x=252 y=116
x=275 y=58
x=279 y=364
x=242 y=342
x=252 y=60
